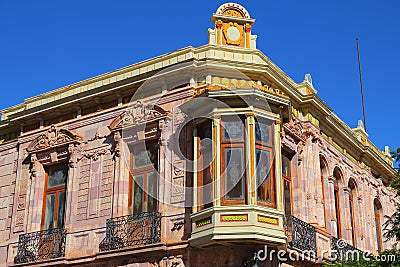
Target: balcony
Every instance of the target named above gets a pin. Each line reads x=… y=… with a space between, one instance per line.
x=301 y=236
x=132 y=231
x=40 y=246
x=341 y=250
x=242 y=224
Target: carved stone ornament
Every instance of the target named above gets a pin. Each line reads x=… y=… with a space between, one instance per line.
x=311 y=131
x=117 y=141
x=75 y=152
x=33 y=165
x=295 y=126
x=137 y=114
x=54 y=137
x=289 y=142
x=96 y=153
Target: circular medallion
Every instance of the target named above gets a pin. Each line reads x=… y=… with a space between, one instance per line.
x=233 y=33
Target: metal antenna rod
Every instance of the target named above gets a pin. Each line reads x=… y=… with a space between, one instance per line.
x=361 y=86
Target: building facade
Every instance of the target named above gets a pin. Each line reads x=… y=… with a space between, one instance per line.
x=201 y=157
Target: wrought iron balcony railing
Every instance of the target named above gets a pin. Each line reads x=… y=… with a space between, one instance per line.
x=301 y=235
x=132 y=231
x=341 y=250
x=42 y=245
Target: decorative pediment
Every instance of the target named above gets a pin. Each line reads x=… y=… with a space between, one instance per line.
x=52 y=138
x=138 y=114
x=294 y=128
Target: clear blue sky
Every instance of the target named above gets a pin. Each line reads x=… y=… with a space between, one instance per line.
x=48 y=44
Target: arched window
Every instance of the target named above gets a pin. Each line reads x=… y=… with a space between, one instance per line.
x=377 y=213
x=337 y=177
x=352 y=193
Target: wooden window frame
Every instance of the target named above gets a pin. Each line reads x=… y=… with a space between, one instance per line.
x=55 y=190
x=272 y=203
x=200 y=173
x=142 y=171
x=289 y=180
x=233 y=143
x=270 y=148
x=225 y=200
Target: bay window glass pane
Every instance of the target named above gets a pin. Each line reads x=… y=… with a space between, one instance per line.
x=233 y=130
x=57 y=176
x=263 y=132
x=152 y=192
x=49 y=215
x=137 y=198
x=234 y=172
x=205 y=195
x=61 y=209
x=263 y=175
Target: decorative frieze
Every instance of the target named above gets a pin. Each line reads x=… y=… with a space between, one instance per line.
x=21 y=196
x=234 y=218
x=203 y=222
x=267 y=220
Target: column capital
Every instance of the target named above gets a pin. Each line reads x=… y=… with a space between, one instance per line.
x=331 y=179
x=346 y=191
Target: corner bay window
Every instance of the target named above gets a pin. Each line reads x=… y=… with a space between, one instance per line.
x=54 y=198
x=143 y=177
x=245 y=146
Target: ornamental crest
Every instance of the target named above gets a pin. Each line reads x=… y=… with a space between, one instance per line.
x=137 y=114
x=53 y=137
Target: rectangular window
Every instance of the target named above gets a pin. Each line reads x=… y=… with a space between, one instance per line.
x=204 y=166
x=54 y=197
x=264 y=163
x=143 y=178
x=233 y=166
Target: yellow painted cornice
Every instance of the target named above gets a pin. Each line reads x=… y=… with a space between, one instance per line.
x=244 y=59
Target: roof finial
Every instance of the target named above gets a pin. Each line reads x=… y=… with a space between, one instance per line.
x=307 y=78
